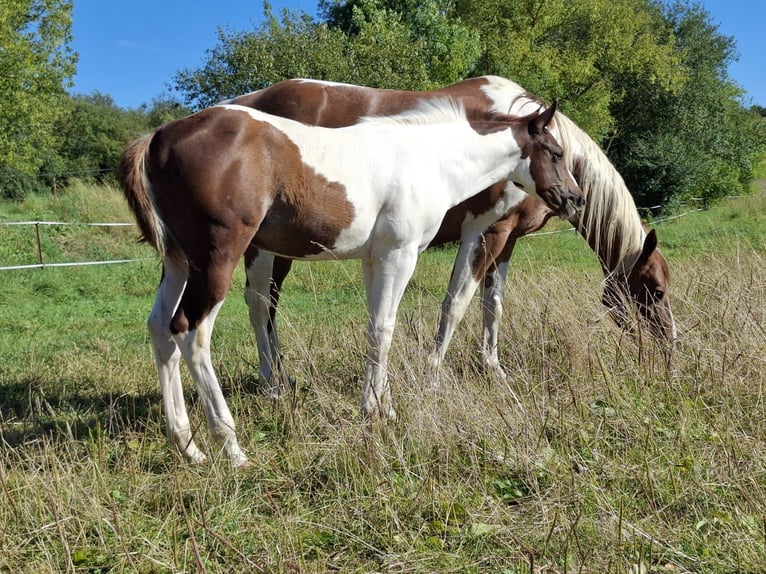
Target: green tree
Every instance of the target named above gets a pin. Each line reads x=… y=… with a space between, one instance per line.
x=93 y=133
x=36 y=65
x=376 y=46
x=245 y=61
x=444 y=48
x=162 y=110
x=572 y=50
x=696 y=142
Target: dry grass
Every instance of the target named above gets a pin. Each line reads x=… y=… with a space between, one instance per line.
x=614 y=459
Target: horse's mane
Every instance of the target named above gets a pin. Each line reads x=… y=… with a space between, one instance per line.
x=427 y=112
x=608 y=198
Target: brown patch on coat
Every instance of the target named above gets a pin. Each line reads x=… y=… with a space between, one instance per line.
x=224 y=169
x=335 y=106
x=222 y=180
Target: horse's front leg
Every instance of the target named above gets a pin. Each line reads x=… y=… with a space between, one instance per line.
x=385 y=278
x=492 y=313
x=532 y=215
x=466 y=274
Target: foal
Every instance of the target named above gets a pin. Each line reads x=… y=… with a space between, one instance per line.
x=205 y=188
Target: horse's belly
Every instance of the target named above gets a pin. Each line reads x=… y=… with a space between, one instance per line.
x=314 y=239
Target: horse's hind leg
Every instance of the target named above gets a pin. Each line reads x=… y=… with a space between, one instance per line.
x=167 y=357
x=193 y=326
x=264 y=282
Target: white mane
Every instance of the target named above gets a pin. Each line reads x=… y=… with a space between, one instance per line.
x=610 y=222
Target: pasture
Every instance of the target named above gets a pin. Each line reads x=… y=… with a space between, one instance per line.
x=613 y=458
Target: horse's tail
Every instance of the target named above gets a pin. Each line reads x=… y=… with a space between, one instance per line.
x=136 y=187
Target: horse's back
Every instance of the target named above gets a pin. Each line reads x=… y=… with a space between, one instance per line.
x=310 y=102
x=335 y=105
x=204 y=147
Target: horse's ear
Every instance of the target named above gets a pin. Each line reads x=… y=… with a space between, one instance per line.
x=650 y=244
x=538 y=124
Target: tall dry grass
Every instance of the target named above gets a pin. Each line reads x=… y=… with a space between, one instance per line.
x=597 y=455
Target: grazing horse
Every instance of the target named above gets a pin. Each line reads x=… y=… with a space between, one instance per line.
x=633 y=266
x=205 y=188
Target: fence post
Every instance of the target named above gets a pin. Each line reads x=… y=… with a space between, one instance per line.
x=39 y=247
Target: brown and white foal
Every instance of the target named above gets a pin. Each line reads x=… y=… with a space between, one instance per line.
x=205 y=188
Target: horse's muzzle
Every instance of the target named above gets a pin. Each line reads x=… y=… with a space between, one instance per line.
x=571 y=204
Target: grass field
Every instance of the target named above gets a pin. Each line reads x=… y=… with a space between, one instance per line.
x=613 y=460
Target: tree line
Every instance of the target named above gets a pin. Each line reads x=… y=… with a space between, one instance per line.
x=646 y=79
x=47 y=135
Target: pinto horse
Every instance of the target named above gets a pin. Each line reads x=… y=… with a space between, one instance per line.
x=205 y=188
x=633 y=266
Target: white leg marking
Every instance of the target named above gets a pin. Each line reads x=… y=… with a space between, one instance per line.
x=258 y=299
x=461 y=288
x=492 y=310
x=195 y=347
x=385 y=278
x=167 y=356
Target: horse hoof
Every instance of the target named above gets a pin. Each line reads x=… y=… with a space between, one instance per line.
x=378 y=412
x=493 y=367
x=275 y=390
x=498 y=372
x=196 y=459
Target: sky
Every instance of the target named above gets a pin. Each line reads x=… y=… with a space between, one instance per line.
x=132 y=50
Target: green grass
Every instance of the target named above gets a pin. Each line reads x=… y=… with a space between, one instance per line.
x=614 y=461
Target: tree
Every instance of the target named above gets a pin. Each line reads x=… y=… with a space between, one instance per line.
x=696 y=142
x=93 y=132
x=376 y=46
x=444 y=47
x=36 y=65
x=572 y=51
x=162 y=110
x=245 y=61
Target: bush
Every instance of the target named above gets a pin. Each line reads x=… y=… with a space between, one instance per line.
x=15 y=184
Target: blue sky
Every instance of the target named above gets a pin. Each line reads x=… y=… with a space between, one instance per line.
x=132 y=50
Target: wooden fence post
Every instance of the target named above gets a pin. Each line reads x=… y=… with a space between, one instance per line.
x=39 y=247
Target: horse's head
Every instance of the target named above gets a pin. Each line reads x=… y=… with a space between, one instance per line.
x=647 y=285
x=553 y=182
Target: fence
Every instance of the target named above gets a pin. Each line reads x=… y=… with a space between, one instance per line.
x=38 y=245
x=41 y=263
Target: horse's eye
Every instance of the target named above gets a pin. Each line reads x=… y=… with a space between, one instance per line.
x=658 y=294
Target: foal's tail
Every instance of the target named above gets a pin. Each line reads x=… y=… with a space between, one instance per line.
x=135 y=185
